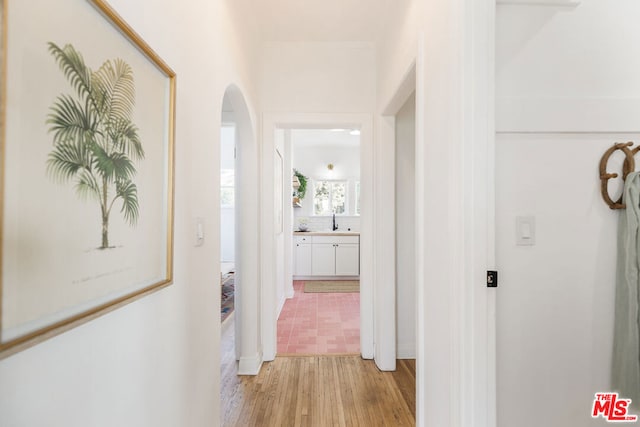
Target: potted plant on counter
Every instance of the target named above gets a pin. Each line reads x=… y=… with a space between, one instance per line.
x=301 y=190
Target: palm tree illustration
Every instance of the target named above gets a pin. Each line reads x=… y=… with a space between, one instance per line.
x=95 y=141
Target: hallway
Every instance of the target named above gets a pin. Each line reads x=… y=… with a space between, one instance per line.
x=469 y=115
x=316 y=391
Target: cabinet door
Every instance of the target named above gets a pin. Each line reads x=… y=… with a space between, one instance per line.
x=323 y=261
x=302 y=266
x=347 y=259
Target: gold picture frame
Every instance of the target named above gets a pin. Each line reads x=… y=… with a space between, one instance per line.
x=87 y=117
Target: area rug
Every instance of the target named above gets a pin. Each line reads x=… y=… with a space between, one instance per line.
x=227 y=298
x=321 y=286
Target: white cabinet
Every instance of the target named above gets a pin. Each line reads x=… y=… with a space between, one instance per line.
x=302 y=256
x=323 y=259
x=326 y=255
x=335 y=256
x=347 y=259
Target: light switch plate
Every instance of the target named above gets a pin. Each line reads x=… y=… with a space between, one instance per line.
x=199 y=231
x=525 y=230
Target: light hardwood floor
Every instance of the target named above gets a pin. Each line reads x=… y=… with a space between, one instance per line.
x=316 y=391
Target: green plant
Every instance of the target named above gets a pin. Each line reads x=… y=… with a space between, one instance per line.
x=95 y=140
x=302 y=190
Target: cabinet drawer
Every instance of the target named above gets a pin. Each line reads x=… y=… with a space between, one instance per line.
x=336 y=239
x=302 y=239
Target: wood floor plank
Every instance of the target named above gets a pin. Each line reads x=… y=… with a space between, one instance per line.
x=317 y=391
x=405 y=379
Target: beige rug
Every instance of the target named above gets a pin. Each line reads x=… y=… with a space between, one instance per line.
x=317 y=286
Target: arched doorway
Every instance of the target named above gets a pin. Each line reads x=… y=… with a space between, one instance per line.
x=246 y=256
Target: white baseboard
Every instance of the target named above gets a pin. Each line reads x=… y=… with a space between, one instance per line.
x=406 y=350
x=250 y=365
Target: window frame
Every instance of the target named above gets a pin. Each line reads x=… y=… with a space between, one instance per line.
x=346 y=197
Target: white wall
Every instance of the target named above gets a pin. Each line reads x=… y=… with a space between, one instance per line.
x=555 y=299
x=405 y=230
x=565 y=78
x=312 y=162
x=317 y=77
x=564 y=68
x=398 y=48
x=156 y=361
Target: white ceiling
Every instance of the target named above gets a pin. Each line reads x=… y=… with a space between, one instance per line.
x=316 y=21
x=324 y=138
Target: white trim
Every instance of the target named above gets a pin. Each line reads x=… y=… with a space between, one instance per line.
x=385 y=250
x=491 y=361
x=478 y=310
x=406 y=351
x=247 y=255
x=268 y=246
x=270 y=122
x=250 y=365
x=411 y=82
x=455 y=372
x=421 y=351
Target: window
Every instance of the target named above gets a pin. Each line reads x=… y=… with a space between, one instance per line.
x=329 y=197
x=227 y=188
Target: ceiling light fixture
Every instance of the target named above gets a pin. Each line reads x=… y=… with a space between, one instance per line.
x=355 y=132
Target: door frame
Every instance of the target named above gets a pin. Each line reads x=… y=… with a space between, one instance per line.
x=270 y=307
x=455 y=215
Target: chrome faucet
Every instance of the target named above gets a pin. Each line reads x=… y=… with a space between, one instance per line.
x=334 y=226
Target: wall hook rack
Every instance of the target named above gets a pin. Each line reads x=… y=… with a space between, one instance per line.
x=628 y=166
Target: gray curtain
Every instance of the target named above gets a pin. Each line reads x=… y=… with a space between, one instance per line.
x=626 y=338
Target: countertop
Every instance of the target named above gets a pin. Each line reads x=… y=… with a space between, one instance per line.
x=326 y=233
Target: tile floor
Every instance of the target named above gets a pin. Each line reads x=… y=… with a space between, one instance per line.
x=319 y=323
